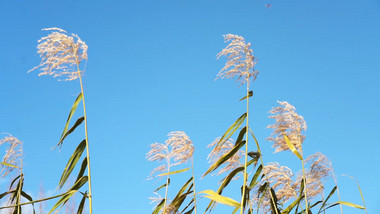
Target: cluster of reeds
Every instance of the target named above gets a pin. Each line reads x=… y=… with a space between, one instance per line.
x=62 y=55
x=266 y=188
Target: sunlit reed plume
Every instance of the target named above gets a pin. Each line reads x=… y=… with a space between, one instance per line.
x=13 y=155
x=317 y=171
x=176 y=150
x=60 y=54
x=240 y=59
x=280 y=179
x=232 y=163
x=288 y=122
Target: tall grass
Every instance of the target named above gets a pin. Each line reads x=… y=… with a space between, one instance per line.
x=264 y=188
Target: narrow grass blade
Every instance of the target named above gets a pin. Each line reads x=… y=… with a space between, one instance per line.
x=73 y=109
x=76 y=124
x=174 y=172
x=292 y=205
x=224 y=184
x=250 y=93
x=220 y=199
x=9 y=165
x=82 y=169
x=324 y=202
x=182 y=190
x=301 y=192
x=274 y=202
x=70 y=193
x=159 y=207
x=360 y=190
x=350 y=204
x=72 y=163
x=81 y=204
x=29 y=199
x=255 y=176
x=291 y=147
x=225 y=157
x=231 y=130
x=162 y=186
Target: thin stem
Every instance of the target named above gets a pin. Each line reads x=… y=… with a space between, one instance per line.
x=304 y=184
x=21 y=180
x=87 y=144
x=246 y=152
x=337 y=188
x=195 y=197
x=167 y=183
x=262 y=163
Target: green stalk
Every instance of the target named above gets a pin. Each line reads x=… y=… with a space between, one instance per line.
x=262 y=163
x=167 y=183
x=246 y=151
x=195 y=197
x=304 y=183
x=337 y=188
x=87 y=144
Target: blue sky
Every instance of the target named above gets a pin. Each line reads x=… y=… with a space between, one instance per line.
x=151 y=70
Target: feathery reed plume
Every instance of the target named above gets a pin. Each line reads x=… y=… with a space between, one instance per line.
x=232 y=163
x=288 y=122
x=280 y=179
x=317 y=171
x=176 y=150
x=240 y=59
x=59 y=53
x=13 y=155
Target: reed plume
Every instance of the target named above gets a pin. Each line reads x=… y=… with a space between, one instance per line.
x=317 y=171
x=288 y=122
x=60 y=53
x=240 y=60
x=13 y=155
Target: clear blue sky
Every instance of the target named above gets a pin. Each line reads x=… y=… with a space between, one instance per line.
x=151 y=70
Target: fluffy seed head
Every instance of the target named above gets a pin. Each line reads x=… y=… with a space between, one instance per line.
x=176 y=150
x=59 y=52
x=240 y=60
x=317 y=171
x=288 y=122
x=280 y=179
x=232 y=163
x=13 y=154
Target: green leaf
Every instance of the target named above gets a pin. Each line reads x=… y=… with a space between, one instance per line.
x=231 y=130
x=82 y=169
x=250 y=93
x=183 y=188
x=81 y=205
x=162 y=186
x=77 y=123
x=159 y=207
x=224 y=184
x=225 y=157
x=73 y=109
x=72 y=163
x=292 y=148
x=220 y=199
x=174 y=172
x=255 y=176
x=292 y=205
x=350 y=204
x=9 y=165
x=70 y=193
x=324 y=202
